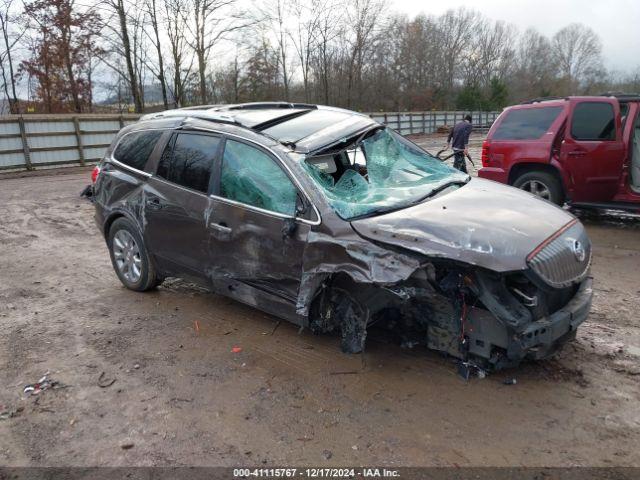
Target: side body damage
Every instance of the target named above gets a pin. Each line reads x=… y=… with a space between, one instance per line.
x=468 y=271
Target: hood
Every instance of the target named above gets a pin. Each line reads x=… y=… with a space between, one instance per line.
x=482 y=223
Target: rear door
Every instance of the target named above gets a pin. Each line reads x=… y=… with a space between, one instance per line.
x=592 y=150
x=177 y=203
x=256 y=238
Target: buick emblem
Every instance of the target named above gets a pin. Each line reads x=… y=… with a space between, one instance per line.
x=578 y=250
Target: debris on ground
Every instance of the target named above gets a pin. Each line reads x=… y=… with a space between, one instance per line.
x=468 y=369
x=236 y=349
x=127 y=445
x=509 y=381
x=7 y=413
x=104 y=381
x=45 y=383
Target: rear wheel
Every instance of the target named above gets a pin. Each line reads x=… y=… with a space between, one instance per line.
x=542 y=184
x=130 y=258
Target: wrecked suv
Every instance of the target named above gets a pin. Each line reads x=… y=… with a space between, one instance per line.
x=330 y=220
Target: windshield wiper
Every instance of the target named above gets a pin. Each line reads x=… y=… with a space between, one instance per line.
x=439 y=189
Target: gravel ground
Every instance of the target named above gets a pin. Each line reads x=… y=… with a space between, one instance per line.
x=181 y=397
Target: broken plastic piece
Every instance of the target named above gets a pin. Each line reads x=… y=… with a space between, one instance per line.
x=236 y=349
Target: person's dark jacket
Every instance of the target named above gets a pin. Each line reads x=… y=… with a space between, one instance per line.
x=460 y=135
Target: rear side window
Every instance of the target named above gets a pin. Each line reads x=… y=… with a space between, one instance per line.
x=526 y=124
x=593 y=121
x=252 y=177
x=134 y=148
x=188 y=160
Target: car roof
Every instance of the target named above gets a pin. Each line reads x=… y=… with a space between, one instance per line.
x=301 y=127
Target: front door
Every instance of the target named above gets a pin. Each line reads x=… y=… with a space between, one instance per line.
x=256 y=239
x=177 y=203
x=592 y=150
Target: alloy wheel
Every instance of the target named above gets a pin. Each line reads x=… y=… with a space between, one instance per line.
x=538 y=188
x=127 y=256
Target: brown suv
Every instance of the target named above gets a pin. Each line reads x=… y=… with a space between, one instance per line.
x=328 y=219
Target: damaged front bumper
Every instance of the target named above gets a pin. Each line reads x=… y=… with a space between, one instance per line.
x=501 y=346
x=542 y=338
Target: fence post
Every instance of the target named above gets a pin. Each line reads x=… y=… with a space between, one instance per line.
x=386 y=122
x=410 y=123
x=76 y=127
x=121 y=121
x=25 y=143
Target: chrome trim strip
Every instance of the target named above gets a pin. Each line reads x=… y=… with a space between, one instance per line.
x=127 y=167
x=261 y=210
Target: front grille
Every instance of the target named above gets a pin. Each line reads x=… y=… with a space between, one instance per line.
x=566 y=259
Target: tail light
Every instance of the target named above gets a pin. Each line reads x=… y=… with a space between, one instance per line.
x=95 y=173
x=485 y=153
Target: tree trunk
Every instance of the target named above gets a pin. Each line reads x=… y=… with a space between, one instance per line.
x=126 y=44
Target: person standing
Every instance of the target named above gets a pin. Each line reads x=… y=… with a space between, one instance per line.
x=459 y=140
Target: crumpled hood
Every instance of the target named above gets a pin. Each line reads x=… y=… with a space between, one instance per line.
x=482 y=223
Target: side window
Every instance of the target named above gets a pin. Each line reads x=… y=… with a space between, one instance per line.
x=134 y=149
x=188 y=160
x=526 y=123
x=252 y=177
x=593 y=121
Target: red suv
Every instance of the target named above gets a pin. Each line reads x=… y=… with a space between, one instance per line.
x=580 y=150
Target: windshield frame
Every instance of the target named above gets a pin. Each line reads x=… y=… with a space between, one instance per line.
x=354 y=142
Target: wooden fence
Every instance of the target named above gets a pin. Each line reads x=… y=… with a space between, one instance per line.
x=32 y=141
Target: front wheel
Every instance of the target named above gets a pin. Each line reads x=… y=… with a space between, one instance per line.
x=542 y=184
x=130 y=258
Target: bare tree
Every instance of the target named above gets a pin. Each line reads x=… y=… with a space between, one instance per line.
x=152 y=11
x=122 y=46
x=364 y=18
x=9 y=41
x=578 y=52
x=274 y=14
x=209 y=22
x=181 y=61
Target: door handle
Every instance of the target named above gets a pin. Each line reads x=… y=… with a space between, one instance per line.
x=576 y=153
x=220 y=228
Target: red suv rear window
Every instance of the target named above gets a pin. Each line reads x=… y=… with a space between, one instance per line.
x=526 y=123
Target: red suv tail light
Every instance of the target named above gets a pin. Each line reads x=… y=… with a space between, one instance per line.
x=485 y=153
x=95 y=173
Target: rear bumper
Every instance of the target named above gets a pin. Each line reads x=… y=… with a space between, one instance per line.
x=542 y=338
x=494 y=173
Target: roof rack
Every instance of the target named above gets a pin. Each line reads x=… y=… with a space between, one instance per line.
x=622 y=96
x=542 y=99
x=268 y=105
x=212 y=116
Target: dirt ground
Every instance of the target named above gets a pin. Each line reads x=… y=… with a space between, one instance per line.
x=182 y=397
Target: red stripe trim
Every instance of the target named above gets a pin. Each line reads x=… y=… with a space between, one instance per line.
x=551 y=239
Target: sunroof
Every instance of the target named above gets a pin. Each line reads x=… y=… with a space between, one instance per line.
x=301 y=127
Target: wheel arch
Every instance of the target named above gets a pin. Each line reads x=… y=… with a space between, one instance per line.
x=115 y=215
x=520 y=169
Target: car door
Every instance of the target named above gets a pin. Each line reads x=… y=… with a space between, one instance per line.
x=177 y=203
x=256 y=238
x=592 y=150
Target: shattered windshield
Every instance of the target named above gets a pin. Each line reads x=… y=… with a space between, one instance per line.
x=380 y=172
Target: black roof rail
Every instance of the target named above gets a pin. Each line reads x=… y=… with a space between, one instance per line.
x=269 y=105
x=542 y=99
x=622 y=96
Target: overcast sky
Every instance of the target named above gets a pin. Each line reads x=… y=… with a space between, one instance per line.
x=617 y=22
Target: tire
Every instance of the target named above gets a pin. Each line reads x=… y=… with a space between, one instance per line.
x=541 y=184
x=130 y=258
